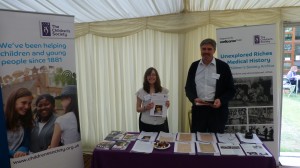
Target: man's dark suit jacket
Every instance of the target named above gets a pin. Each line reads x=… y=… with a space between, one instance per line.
x=225 y=89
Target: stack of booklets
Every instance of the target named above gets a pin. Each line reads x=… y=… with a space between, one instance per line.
x=184 y=147
x=166 y=137
x=142 y=146
x=230 y=149
x=120 y=145
x=147 y=136
x=115 y=136
x=255 y=150
x=186 y=137
x=105 y=145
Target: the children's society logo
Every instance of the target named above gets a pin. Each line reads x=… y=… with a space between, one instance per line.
x=46 y=29
x=56 y=29
x=259 y=39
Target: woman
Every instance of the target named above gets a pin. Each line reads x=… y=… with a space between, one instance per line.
x=18 y=117
x=42 y=131
x=67 y=128
x=151 y=85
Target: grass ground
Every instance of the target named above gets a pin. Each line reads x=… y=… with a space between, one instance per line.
x=290 y=131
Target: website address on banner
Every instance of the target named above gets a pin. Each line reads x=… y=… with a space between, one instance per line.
x=36 y=156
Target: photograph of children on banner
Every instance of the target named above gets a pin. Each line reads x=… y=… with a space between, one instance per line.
x=261 y=115
x=253 y=91
x=237 y=116
x=44 y=84
x=264 y=132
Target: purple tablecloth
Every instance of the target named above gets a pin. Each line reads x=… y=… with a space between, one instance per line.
x=168 y=159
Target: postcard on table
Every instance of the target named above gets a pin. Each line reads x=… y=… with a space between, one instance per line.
x=115 y=135
x=105 y=145
x=160 y=108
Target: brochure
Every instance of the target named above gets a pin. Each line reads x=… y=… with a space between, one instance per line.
x=230 y=149
x=160 y=108
x=115 y=136
x=120 y=145
x=255 y=150
x=130 y=137
x=105 y=145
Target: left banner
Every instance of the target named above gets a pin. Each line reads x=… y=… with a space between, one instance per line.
x=39 y=114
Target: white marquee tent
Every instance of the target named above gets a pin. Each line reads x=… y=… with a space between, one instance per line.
x=117 y=40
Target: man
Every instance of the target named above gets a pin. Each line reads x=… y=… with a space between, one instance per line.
x=209 y=87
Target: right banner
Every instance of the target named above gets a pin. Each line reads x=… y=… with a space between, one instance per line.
x=250 y=52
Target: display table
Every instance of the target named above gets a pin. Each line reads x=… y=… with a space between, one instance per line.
x=168 y=159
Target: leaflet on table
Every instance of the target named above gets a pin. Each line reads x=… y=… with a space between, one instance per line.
x=184 y=147
x=121 y=145
x=130 y=136
x=115 y=136
x=147 y=136
x=167 y=137
x=255 y=150
x=142 y=146
x=207 y=149
x=242 y=138
x=160 y=108
x=227 y=138
x=230 y=149
x=105 y=145
x=206 y=137
x=186 y=137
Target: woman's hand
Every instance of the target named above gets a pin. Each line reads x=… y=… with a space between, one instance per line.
x=19 y=154
x=168 y=103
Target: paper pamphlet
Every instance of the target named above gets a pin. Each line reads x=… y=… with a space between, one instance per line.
x=206 y=137
x=142 y=146
x=160 y=108
x=255 y=150
x=230 y=149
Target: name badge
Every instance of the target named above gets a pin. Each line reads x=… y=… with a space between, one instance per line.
x=215 y=75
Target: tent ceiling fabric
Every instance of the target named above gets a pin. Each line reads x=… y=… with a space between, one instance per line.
x=104 y=10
